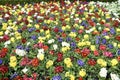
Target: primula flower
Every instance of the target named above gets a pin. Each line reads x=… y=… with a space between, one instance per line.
x=103 y=72
x=82 y=72
x=49 y=63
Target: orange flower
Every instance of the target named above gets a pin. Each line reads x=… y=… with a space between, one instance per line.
x=45 y=47
x=35 y=62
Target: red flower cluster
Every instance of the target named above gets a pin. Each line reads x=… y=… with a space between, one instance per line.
x=91 y=62
x=59 y=57
x=35 y=62
x=3 y=52
x=3 y=69
x=58 y=69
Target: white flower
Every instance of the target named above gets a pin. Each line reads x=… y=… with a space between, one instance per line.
x=65 y=44
x=41 y=51
x=6 y=15
x=103 y=72
x=114 y=76
x=51 y=41
x=20 y=52
x=55 y=46
x=7 y=42
x=28 y=43
x=25 y=70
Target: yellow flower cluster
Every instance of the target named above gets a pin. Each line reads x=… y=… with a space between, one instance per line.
x=49 y=63
x=65 y=49
x=72 y=77
x=114 y=62
x=13 y=61
x=82 y=72
x=102 y=62
x=68 y=62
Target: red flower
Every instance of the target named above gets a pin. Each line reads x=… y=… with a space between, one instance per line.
x=45 y=47
x=117 y=37
x=102 y=47
x=35 y=62
x=64 y=35
x=116 y=23
x=91 y=62
x=59 y=57
x=4 y=79
x=34 y=76
x=51 y=52
x=4 y=50
x=6 y=37
x=2 y=54
x=58 y=69
x=77 y=50
x=3 y=69
x=18 y=78
x=80 y=31
x=24 y=61
x=96 y=53
x=80 y=78
x=85 y=52
x=56 y=30
x=118 y=58
x=23 y=40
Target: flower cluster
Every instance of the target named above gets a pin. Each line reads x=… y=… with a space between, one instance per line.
x=59 y=41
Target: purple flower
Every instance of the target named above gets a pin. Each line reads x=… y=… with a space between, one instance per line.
x=56 y=78
x=112 y=31
x=68 y=39
x=60 y=39
x=110 y=46
x=20 y=47
x=118 y=52
x=73 y=44
x=97 y=37
x=31 y=29
x=19 y=30
x=104 y=41
x=73 y=30
x=80 y=62
x=97 y=41
x=13 y=76
x=34 y=37
x=1 y=61
x=27 y=49
x=60 y=30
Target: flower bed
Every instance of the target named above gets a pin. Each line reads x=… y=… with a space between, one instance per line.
x=53 y=41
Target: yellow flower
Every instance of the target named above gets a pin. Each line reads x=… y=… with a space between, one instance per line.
x=104 y=64
x=82 y=72
x=107 y=37
x=67 y=26
x=99 y=61
x=67 y=60
x=86 y=36
x=81 y=44
x=72 y=34
x=13 y=64
x=37 y=26
x=48 y=36
x=88 y=43
x=47 y=32
x=40 y=56
x=13 y=61
x=64 y=49
x=107 y=15
x=49 y=63
x=67 y=74
x=118 y=45
x=114 y=44
x=93 y=47
x=114 y=62
x=41 y=30
x=4 y=26
x=107 y=29
x=12 y=39
x=13 y=58
x=117 y=29
x=1 y=33
x=63 y=28
x=69 y=64
x=72 y=77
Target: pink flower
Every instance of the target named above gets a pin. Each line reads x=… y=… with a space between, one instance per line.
x=24 y=61
x=107 y=54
